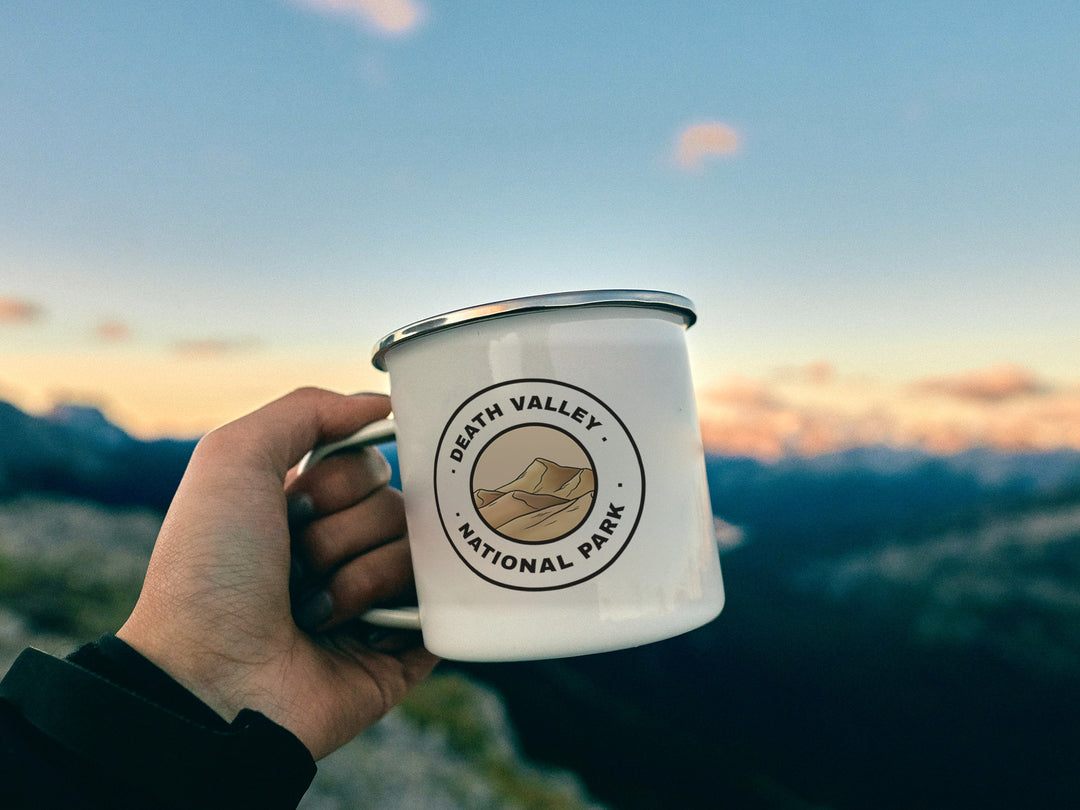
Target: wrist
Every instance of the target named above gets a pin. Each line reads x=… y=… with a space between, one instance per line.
x=188 y=758
x=123 y=665
x=204 y=675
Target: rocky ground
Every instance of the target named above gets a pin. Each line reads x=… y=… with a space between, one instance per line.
x=70 y=571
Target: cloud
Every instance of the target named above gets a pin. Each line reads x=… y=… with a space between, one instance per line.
x=699 y=141
x=208 y=348
x=739 y=392
x=391 y=17
x=1047 y=422
x=112 y=332
x=744 y=417
x=991 y=384
x=816 y=410
x=16 y=310
x=818 y=372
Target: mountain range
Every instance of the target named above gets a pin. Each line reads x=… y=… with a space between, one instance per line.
x=76 y=451
x=902 y=630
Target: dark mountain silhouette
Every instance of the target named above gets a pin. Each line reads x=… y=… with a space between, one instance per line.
x=75 y=451
x=902 y=630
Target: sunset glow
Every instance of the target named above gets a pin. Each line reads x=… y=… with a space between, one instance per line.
x=181 y=395
x=796 y=411
x=1005 y=408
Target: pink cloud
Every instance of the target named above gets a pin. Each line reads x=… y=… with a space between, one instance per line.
x=818 y=372
x=746 y=417
x=16 y=310
x=987 y=384
x=739 y=392
x=393 y=17
x=206 y=348
x=112 y=332
x=814 y=410
x=697 y=142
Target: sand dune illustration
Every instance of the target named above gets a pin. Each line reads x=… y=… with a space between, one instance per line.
x=511 y=505
x=547 y=500
x=482 y=497
x=546 y=524
x=543 y=477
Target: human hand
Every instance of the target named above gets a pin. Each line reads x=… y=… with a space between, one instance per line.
x=215 y=610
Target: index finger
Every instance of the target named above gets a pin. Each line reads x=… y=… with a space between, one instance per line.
x=285 y=429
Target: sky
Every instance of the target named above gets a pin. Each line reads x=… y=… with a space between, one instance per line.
x=874 y=207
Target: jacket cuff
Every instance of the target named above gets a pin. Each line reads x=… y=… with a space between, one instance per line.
x=189 y=759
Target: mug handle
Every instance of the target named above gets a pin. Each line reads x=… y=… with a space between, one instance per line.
x=403 y=618
x=374 y=433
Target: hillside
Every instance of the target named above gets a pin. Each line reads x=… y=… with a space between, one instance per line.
x=901 y=631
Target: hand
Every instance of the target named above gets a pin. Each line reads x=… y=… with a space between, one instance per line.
x=215 y=610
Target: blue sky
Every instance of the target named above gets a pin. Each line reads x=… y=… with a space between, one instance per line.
x=898 y=193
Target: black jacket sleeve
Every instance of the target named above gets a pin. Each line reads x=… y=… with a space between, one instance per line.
x=107 y=728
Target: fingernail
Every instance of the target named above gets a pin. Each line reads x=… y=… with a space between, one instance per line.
x=300 y=510
x=377 y=465
x=314 y=611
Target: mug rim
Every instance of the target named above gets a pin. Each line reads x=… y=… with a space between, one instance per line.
x=647 y=299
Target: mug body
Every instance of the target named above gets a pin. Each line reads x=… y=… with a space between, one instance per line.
x=554 y=476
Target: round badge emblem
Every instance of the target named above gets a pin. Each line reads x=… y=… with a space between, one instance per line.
x=538 y=484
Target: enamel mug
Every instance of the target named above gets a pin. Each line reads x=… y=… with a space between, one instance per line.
x=553 y=473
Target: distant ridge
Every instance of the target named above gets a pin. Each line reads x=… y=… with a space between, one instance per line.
x=75 y=451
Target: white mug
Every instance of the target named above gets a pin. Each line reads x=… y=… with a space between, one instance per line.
x=553 y=473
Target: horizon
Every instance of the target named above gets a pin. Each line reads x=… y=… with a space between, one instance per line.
x=812 y=411
x=874 y=209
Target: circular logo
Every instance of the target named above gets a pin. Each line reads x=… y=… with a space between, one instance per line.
x=538 y=484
